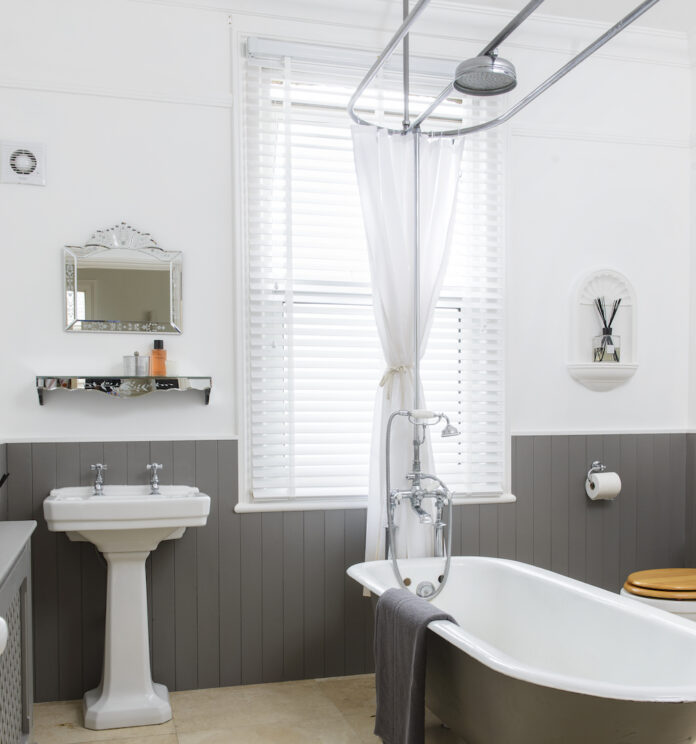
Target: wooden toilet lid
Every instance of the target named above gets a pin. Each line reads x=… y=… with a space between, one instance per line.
x=663 y=583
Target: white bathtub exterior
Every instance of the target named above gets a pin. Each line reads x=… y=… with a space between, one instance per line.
x=611 y=667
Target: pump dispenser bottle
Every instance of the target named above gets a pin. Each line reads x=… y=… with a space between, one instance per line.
x=158 y=360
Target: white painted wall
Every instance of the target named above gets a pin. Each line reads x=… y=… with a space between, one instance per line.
x=692 y=242
x=135 y=101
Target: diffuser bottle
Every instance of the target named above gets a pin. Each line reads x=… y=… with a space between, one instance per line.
x=158 y=360
x=607 y=347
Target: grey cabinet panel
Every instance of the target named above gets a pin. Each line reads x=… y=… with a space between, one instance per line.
x=16 y=668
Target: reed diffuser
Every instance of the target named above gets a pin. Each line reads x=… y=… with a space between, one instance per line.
x=607 y=347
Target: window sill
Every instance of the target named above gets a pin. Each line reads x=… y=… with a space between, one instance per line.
x=501 y=498
x=245 y=507
x=249 y=507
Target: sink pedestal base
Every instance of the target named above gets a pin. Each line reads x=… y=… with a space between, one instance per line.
x=102 y=712
x=127 y=696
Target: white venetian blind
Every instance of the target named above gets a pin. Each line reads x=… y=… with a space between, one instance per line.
x=313 y=356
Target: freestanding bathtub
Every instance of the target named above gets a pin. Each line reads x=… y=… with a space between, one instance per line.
x=537 y=658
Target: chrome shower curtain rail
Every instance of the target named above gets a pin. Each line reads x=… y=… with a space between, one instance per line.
x=411 y=18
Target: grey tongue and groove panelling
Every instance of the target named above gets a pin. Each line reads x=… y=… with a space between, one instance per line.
x=3 y=488
x=264 y=597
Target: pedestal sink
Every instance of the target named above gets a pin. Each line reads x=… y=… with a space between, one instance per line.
x=126 y=523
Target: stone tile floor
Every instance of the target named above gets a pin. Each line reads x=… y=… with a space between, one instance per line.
x=338 y=710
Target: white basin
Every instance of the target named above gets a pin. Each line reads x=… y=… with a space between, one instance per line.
x=126 y=523
x=124 y=509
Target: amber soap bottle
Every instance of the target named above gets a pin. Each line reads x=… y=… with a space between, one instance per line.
x=158 y=360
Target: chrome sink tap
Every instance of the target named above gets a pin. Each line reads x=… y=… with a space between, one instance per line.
x=99 y=478
x=153 y=467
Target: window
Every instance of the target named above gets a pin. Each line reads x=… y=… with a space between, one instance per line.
x=309 y=321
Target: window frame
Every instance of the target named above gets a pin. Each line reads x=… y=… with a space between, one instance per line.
x=247 y=503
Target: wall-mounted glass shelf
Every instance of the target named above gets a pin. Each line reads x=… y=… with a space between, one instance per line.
x=123 y=386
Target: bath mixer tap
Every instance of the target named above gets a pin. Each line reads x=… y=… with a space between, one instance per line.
x=418 y=490
x=153 y=467
x=99 y=478
x=423 y=516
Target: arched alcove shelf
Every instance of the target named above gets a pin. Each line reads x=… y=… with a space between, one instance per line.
x=585 y=325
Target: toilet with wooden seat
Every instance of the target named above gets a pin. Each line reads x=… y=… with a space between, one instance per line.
x=670 y=589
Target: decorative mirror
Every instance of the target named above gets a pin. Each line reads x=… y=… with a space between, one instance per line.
x=121 y=281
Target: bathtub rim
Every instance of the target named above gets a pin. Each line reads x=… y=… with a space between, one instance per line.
x=505 y=664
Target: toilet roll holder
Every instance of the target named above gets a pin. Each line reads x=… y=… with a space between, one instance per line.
x=596 y=467
x=596 y=489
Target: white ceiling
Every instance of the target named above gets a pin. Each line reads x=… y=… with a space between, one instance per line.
x=670 y=15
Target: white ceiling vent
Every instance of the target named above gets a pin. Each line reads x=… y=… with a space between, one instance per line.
x=23 y=162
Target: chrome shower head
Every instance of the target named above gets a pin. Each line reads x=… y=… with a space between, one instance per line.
x=449 y=430
x=487 y=75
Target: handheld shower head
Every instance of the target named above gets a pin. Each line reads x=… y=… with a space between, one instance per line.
x=449 y=430
x=486 y=75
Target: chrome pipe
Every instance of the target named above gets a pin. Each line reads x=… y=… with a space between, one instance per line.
x=388 y=475
x=406 y=70
x=382 y=59
x=416 y=296
x=561 y=72
x=517 y=21
x=626 y=21
x=441 y=97
x=439 y=531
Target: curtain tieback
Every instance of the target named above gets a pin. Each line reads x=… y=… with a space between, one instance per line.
x=388 y=377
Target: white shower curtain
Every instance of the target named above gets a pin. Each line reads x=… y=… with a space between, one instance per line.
x=385 y=167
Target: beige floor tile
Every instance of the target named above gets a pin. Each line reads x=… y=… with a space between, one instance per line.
x=284 y=704
x=149 y=739
x=338 y=710
x=61 y=723
x=363 y=723
x=350 y=694
x=319 y=731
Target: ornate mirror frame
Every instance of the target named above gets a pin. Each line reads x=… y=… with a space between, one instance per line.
x=123 y=237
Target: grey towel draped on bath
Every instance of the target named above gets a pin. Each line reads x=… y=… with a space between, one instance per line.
x=401 y=621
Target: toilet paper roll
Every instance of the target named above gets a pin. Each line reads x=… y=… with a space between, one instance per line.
x=603 y=486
